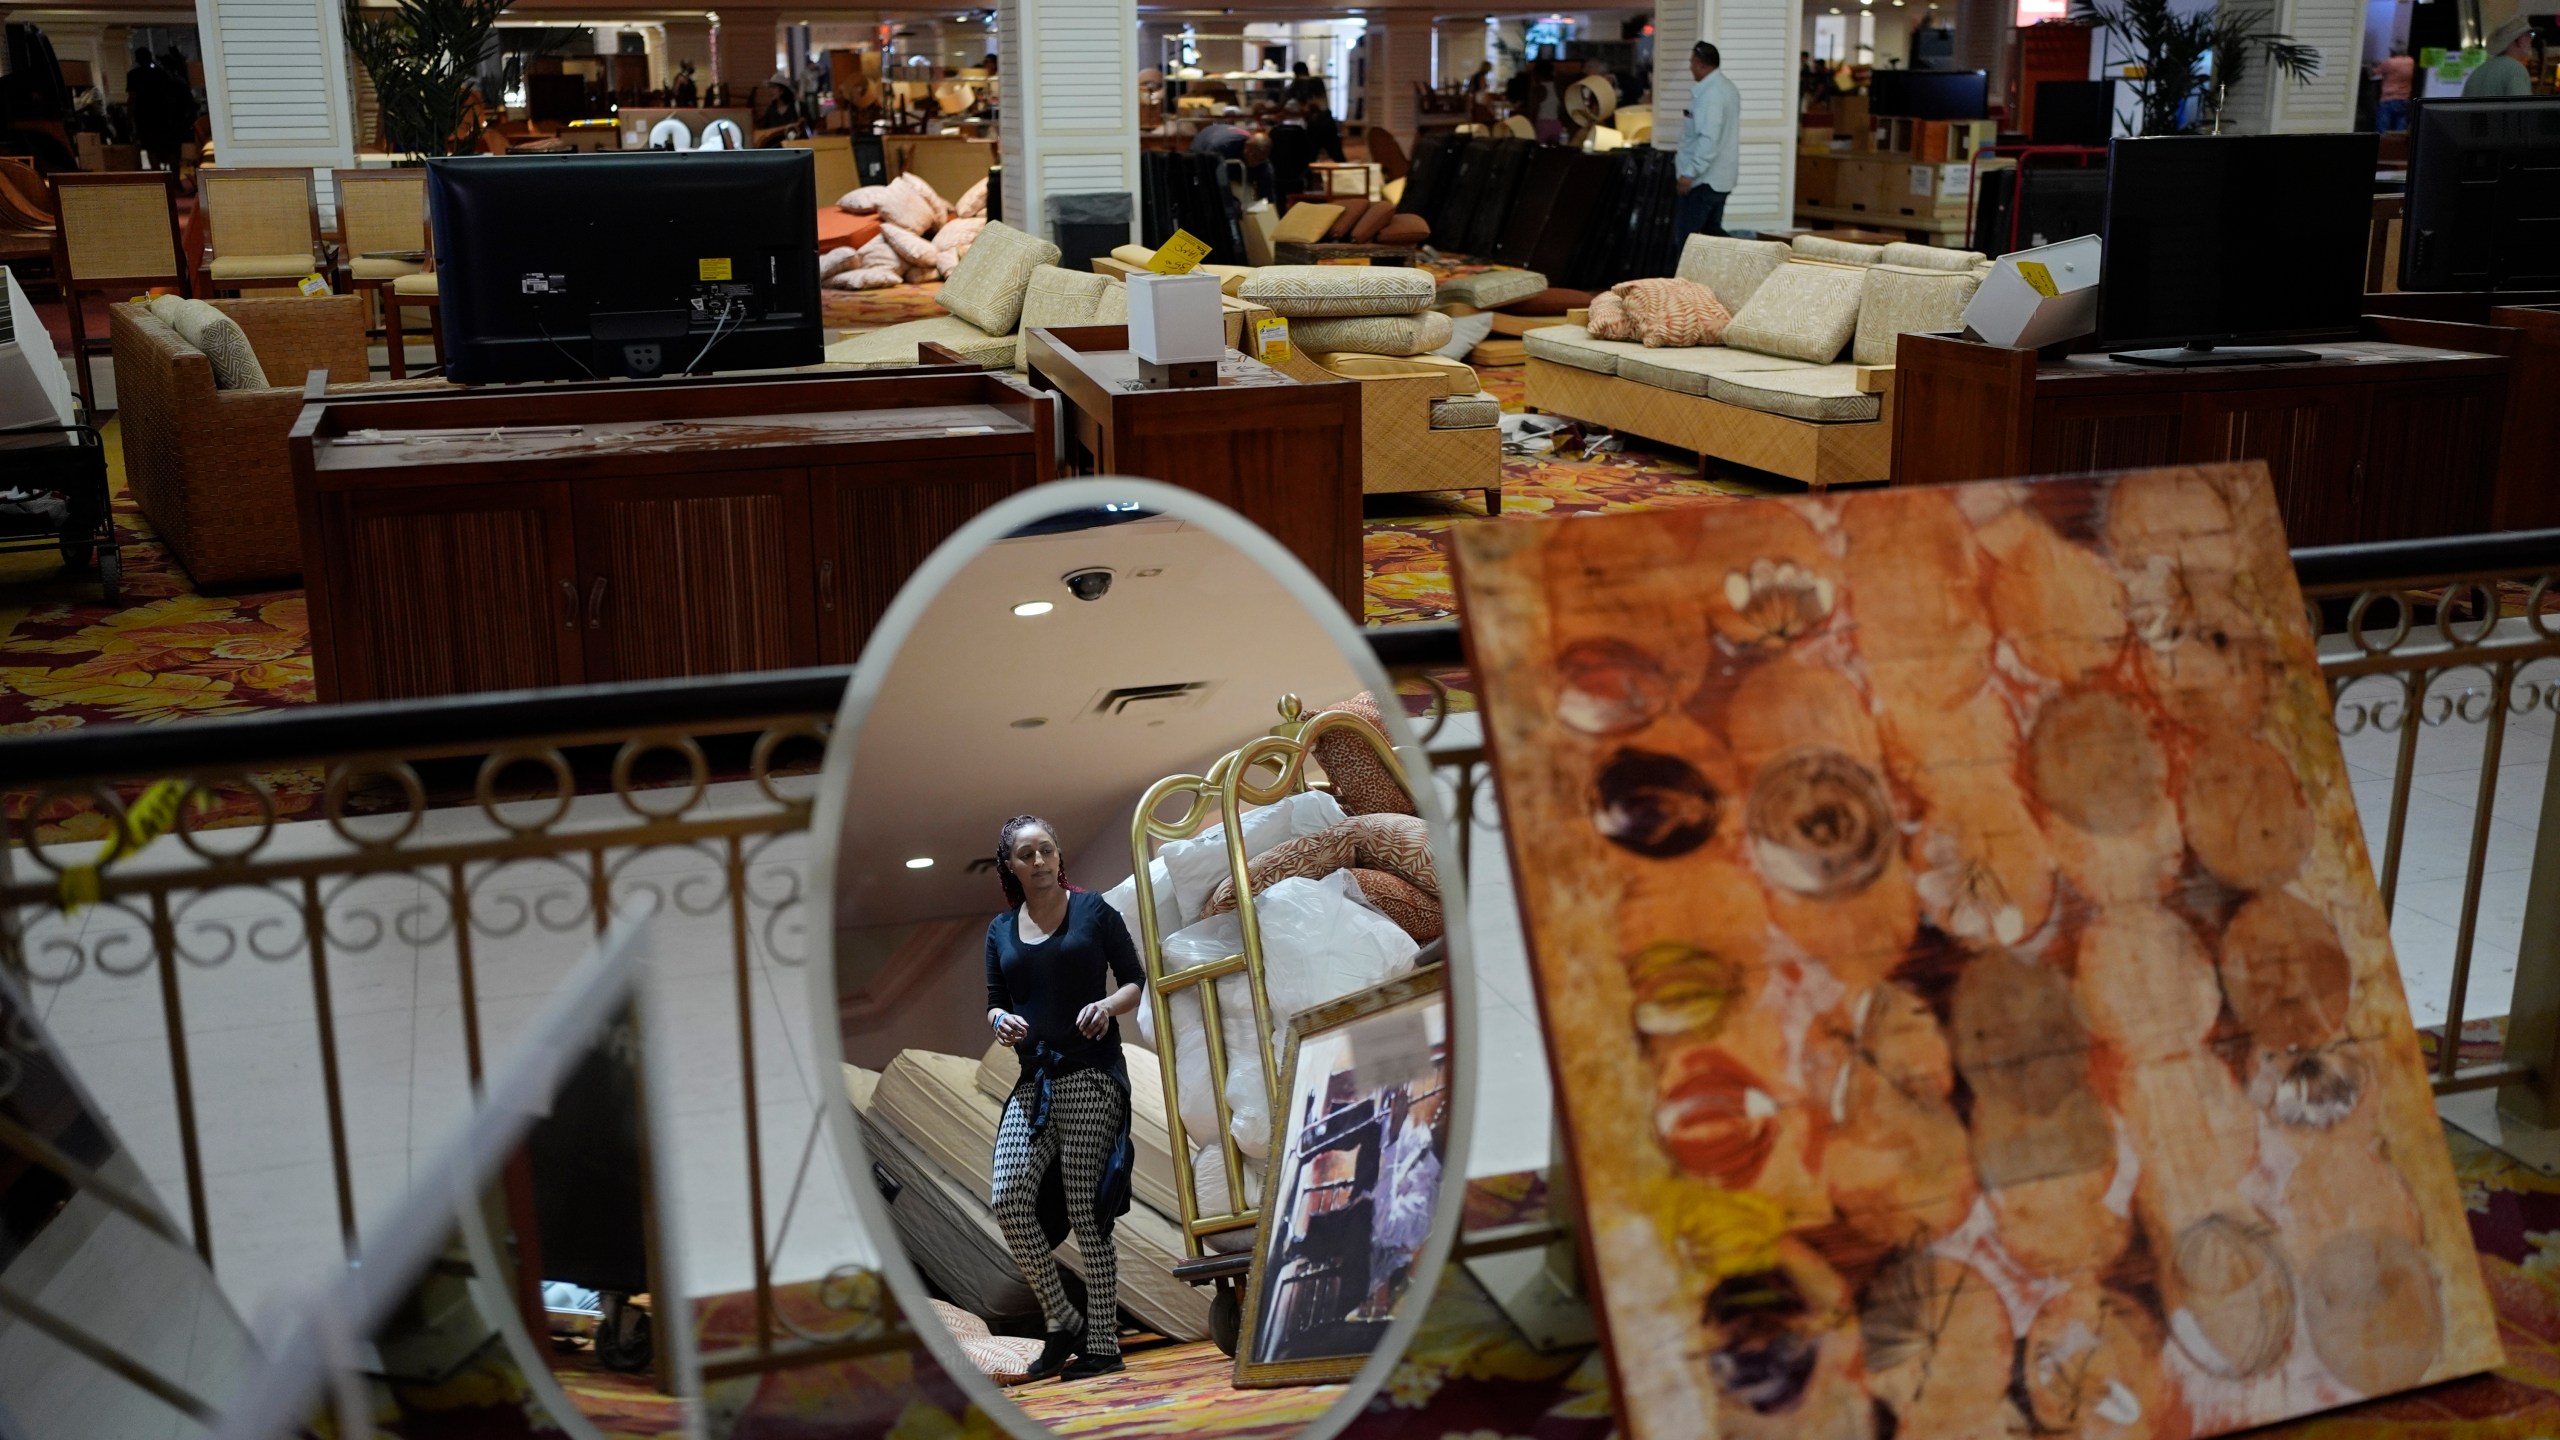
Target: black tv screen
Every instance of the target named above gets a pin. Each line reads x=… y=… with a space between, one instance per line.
x=2075 y=112
x=2212 y=239
x=2484 y=196
x=1930 y=94
x=635 y=263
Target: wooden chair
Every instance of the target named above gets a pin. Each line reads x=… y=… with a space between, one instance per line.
x=838 y=175
x=382 y=227
x=264 y=227
x=1387 y=155
x=118 y=234
x=26 y=213
x=412 y=292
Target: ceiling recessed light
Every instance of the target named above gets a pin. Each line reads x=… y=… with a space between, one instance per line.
x=921 y=862
x=1030 y=722
x=1149 y=573
x=1029 y=608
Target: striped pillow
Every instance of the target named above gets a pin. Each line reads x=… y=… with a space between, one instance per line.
x=1609 y=320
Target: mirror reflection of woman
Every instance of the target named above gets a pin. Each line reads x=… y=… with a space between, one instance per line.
x=1060 y=972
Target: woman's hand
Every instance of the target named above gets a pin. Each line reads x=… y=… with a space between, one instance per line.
x=1094 y=1019
x=1011 y=1029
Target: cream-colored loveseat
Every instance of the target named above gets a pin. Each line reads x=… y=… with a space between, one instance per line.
x=1803 y=386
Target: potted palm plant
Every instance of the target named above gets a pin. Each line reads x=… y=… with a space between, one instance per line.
x=2197 y=55
x=424 y=57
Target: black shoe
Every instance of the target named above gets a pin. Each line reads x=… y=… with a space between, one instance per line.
x=1061 y=1347
x=1094 y=1365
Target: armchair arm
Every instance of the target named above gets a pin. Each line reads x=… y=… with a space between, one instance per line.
x=299 y=334
x=1875 y=379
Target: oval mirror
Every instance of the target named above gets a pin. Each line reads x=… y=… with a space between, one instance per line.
x=1140 y=972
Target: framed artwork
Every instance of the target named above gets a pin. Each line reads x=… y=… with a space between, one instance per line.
x=1355 y=1173
x=1965 y=981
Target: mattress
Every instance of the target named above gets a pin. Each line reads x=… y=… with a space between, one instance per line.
x=947 y=1230
x=934 y=1101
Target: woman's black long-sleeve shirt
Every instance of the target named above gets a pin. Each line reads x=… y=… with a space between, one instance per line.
x=1048 y=984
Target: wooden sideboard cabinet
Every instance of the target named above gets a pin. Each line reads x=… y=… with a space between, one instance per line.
x=482 y=540
x=2392 y=436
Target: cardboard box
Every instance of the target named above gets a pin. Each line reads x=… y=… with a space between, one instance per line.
x=1817 y=180
x=1813 y=139
x=1899 y=134
x=1867 y=183
x=1942 y=141
x=1849 y=117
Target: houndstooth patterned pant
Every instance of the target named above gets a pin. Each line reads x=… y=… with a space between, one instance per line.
x=1084 y=1122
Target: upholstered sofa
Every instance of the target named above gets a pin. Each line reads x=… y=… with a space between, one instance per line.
x=209 y=466
x=984 y=296
x=1802 y=386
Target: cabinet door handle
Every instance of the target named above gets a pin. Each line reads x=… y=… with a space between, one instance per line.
x=595 y=605
x=569 y=604
x=826 y=584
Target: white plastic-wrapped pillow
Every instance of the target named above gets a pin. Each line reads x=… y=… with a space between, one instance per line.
x=1209 y=1186
x=1197 y=865
x=1123 y=897
x=1319 y=942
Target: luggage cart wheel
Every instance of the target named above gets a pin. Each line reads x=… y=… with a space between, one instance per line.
x=111 y=576
x=76 y=554
x=1225 y=1309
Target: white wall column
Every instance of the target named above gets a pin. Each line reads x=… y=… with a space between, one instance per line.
x=1758 y=42
x=277 y=83
x=1399 y=59
x=1070 y=123
x=2265 y=102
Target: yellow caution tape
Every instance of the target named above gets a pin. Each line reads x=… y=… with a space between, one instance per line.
x=145 y=820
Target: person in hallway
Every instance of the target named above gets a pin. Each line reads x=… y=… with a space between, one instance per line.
x=2509 y=68
x=1249 y=150
x=1710 y=158
x=1322 y=130
x=685 y=93
x=1303 y=87
x=1060 y=972
x=146 y=100
x=2398 y=73
x=1544 y=102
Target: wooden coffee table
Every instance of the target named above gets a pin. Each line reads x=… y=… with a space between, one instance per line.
x=1282 y=452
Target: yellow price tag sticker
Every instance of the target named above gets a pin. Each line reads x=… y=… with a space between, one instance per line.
x=1180 y=255
x=713 y=269
x=313 y=284
x=2038 y=278
x=1271 y=340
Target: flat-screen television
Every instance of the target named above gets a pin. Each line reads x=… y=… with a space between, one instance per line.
x=2075 y=112
x=1930 y=94
x=635 y=264
x=2484 y=196
x=2217 y=240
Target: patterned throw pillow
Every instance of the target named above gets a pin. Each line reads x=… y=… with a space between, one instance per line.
x=1674 y=312
x=1001 y=1358
x=1372 y=220
x=1609 y=319
x=1397 y=844
x=1309 y=857
x=225 y=345
x=1405 y=229
x=1309 y=292
x=1400 y=900
x=910 y=246
x=937 y=208
x=1361 y=781
x=1416 y=334
x=972 y=202
x=986 y=287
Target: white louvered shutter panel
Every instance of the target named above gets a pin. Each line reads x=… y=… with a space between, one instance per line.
x=1070 y=102
x=2336 y=29
x=277 y=74
x=1757 y=41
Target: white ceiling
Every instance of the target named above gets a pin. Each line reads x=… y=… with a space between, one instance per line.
x=940 y=762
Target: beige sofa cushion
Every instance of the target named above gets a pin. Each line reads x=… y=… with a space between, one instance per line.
x=1229 y=276
x=1572 y=345
x=1687 y=371
x=1352 y=365
x=415 y=284
x=365 y=267
x=1932 y=257
x=896 y=344
x=986 y=289
x=1898 y=300
x=1823 y=393
x=1372 y=334
x=1465 y=412
x=259 y=267
x=1492 y=289
x=1841 y=252
x=1058 y=297
x=1312 y=292
x=1731 y=268
x=1805 y=310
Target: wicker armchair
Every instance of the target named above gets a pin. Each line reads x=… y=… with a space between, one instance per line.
x=209 y=467
x=265 y=227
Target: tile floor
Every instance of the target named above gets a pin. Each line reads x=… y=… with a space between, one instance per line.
x=396 y=1005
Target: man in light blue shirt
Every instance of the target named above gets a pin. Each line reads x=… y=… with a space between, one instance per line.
x=1710 y=156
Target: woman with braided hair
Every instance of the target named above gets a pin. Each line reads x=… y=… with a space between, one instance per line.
x=1063 y=1154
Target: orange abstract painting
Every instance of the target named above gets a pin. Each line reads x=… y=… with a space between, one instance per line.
x=1966 y=985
